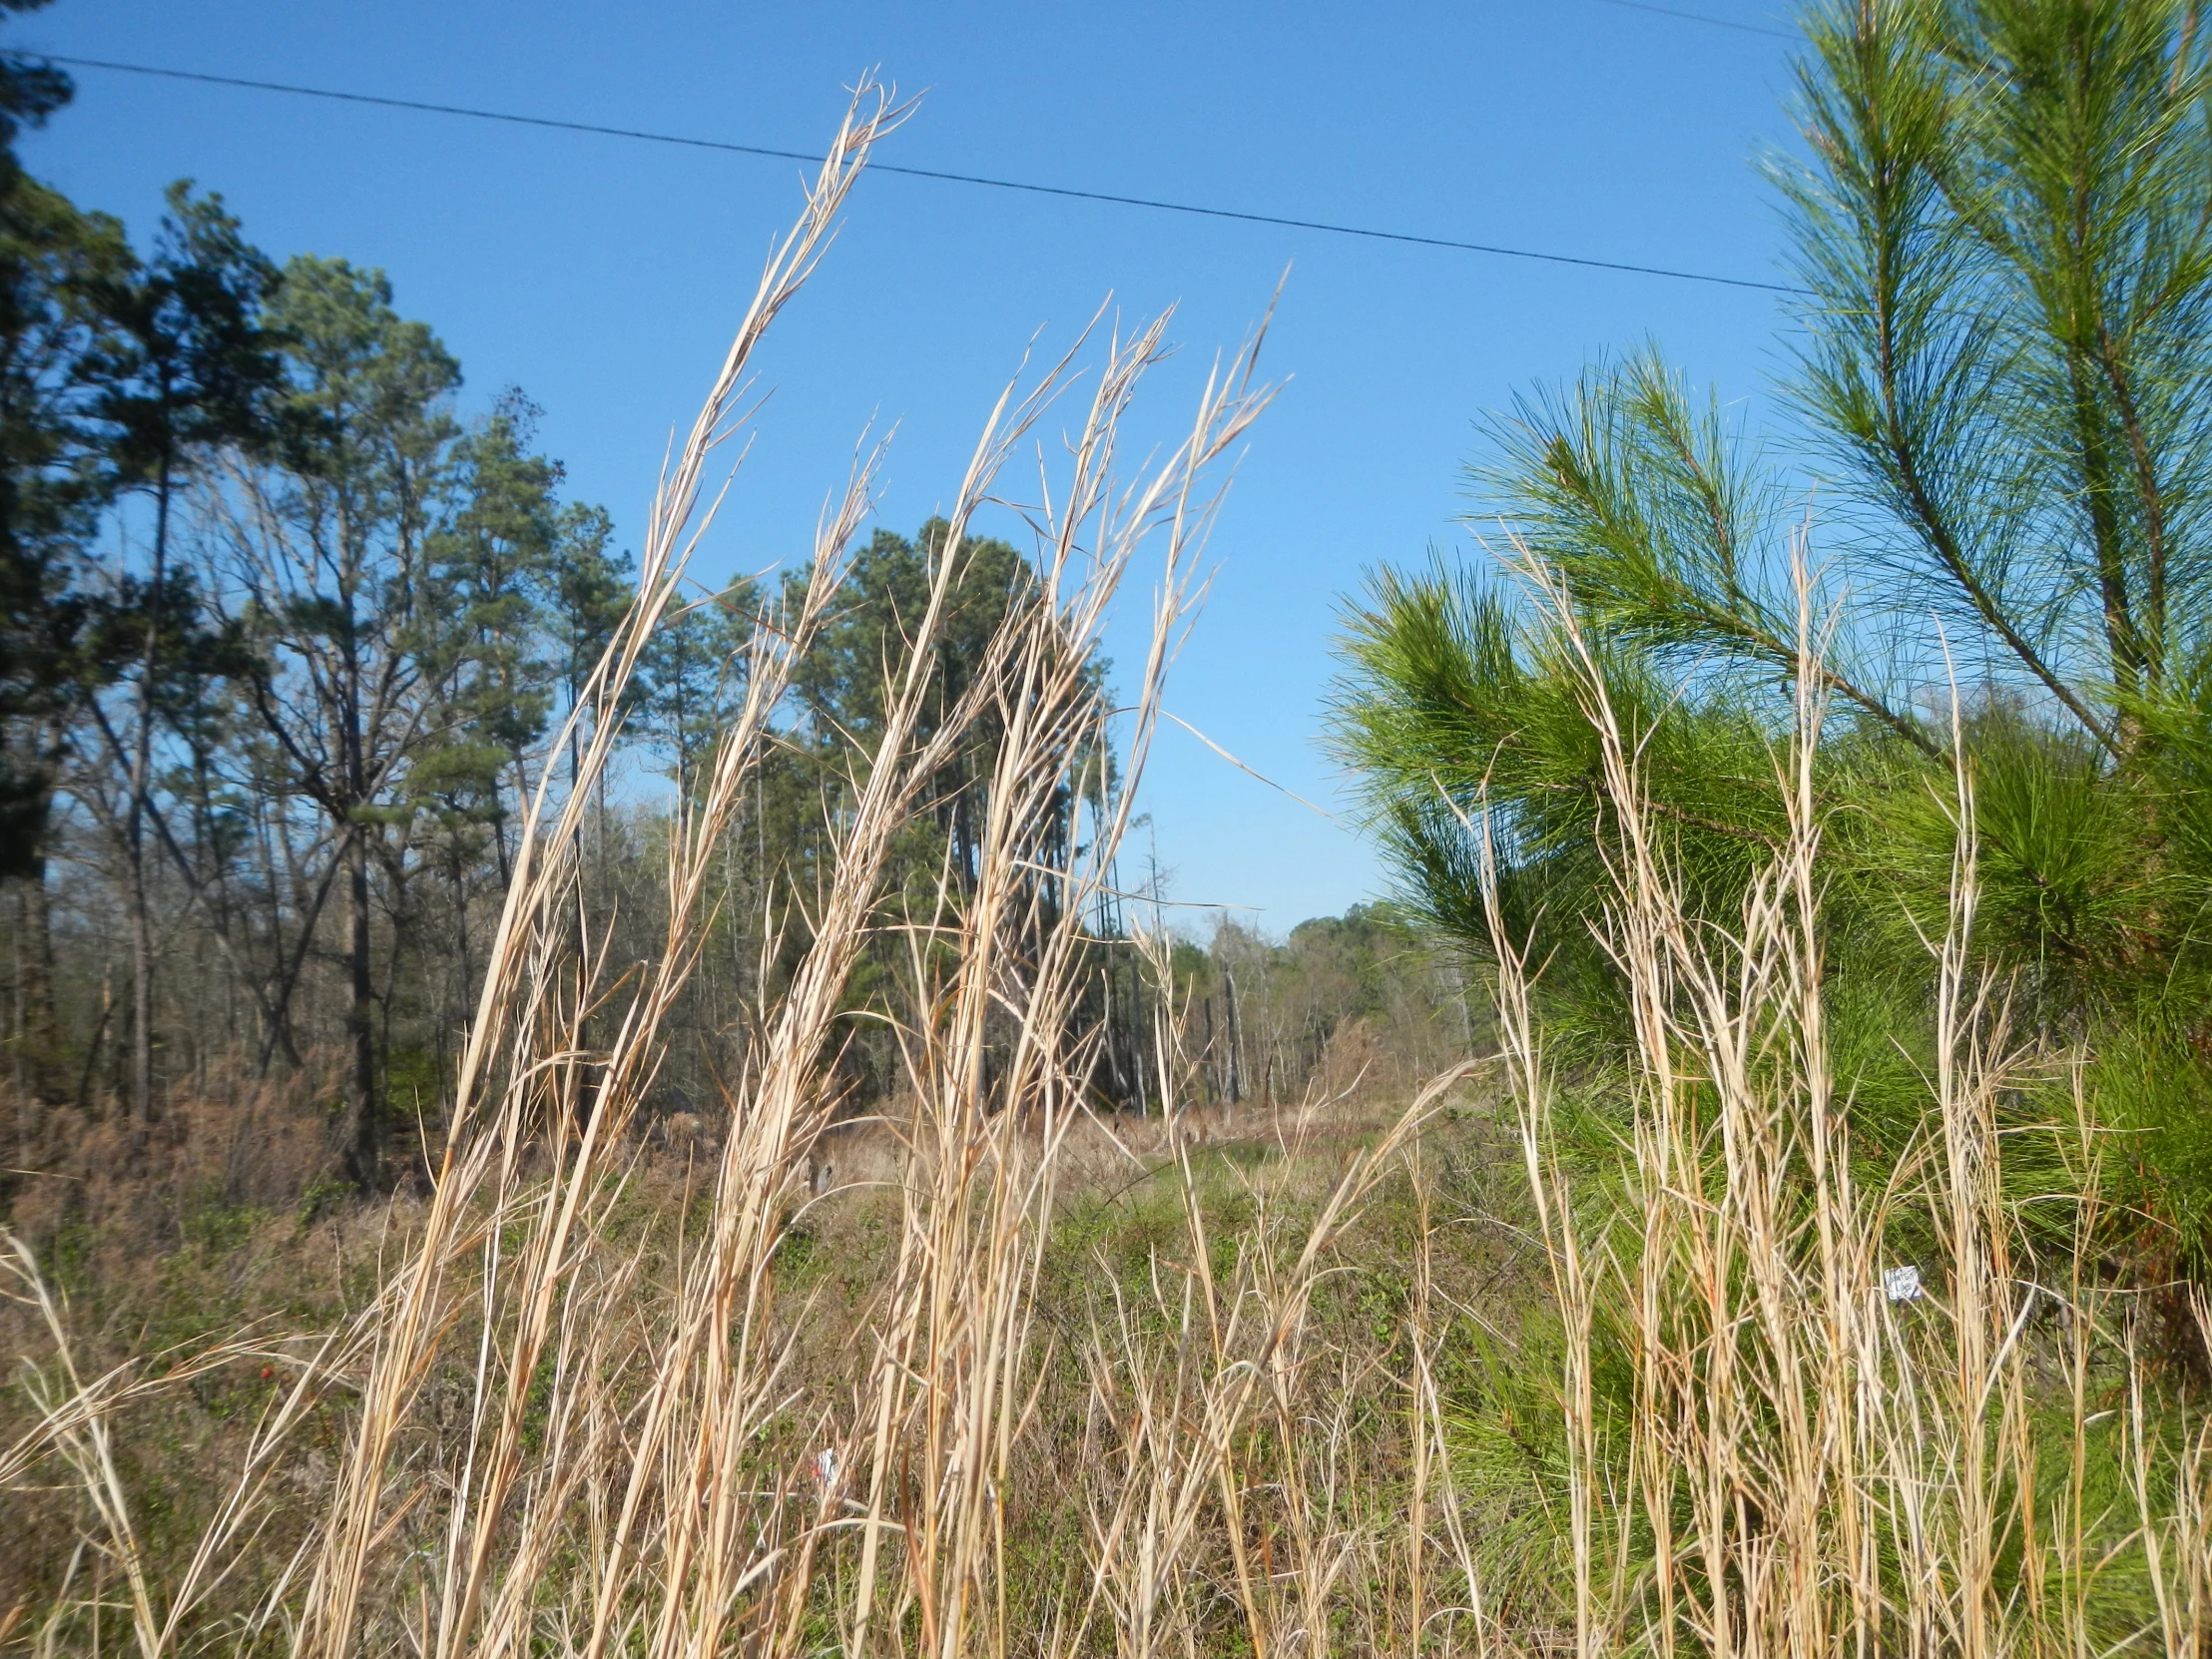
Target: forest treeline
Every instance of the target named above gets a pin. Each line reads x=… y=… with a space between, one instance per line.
x=289 y=641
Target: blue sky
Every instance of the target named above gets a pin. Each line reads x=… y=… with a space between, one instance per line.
x=603 y=276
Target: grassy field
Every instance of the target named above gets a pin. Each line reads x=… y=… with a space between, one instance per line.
x=1129 y=1332
x=1324 y=1377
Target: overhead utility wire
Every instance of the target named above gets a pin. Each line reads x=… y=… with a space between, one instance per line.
x=913 y=172
x=1700 y=17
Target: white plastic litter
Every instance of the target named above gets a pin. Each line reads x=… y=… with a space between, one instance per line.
x=1902 y=1284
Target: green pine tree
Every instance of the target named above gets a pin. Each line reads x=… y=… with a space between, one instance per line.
x=2004 y=363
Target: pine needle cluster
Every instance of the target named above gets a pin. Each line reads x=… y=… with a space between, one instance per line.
x=2001 y=380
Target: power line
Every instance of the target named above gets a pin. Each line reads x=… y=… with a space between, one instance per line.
x=1700 y=17
x=1065 y=191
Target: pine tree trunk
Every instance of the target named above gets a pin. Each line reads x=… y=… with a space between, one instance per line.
x=35 y=1031
x=359 y=1024
x=142 y=993
x=38 y=1032
x=142 y=769
x=361 y=1029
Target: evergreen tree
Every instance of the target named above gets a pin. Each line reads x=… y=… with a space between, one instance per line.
x=51 y=488
x=329 y=545
x=181 y=368
x=50 y=499
x=693 y=679
x=31 y=89
x=591 y=589
x=2005 y=358
x=491 y=563
x=842 y=686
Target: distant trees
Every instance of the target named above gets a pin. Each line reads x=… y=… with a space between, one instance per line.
x=1260 y=1016
x=285 y=640
x=181 y=368
x=277 y=627
x=689 y=689
x=49 y=505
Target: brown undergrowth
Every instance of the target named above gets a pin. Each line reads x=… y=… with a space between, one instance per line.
x=188 y=1291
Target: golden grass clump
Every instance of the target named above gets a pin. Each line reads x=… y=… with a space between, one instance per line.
x=1773 y=1446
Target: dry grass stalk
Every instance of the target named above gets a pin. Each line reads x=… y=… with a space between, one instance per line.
x=950 y=1368
x=553 y=1445
x=522 y=1071
x=1808 y=1466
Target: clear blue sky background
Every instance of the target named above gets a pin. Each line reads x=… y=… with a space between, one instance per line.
x=603 y=276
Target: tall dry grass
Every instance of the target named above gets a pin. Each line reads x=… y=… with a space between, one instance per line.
x=1768 y=1451
x=585 y=1413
